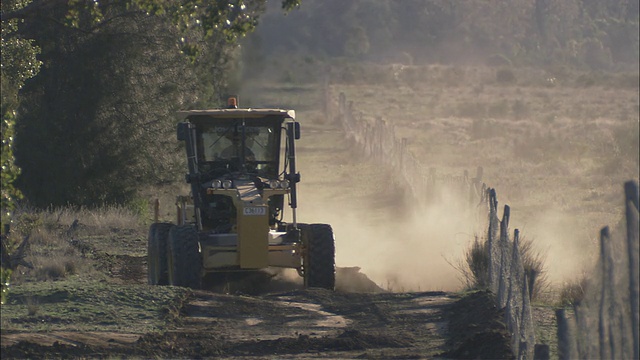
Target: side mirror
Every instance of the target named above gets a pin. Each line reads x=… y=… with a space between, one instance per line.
x=183 y=129
x=296 y=130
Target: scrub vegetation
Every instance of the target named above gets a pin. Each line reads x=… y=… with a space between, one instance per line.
x=542 y=94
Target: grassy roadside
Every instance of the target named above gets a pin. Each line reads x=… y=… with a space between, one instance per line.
x=79 y=282
x=556 y=146
x=89 y=270
x=88 y=275
x=79 y=305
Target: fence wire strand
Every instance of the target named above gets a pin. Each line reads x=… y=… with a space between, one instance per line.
x=605 y=322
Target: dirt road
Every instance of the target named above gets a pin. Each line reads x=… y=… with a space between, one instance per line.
x=124 y=317
x=109 y=311
x=298 y=323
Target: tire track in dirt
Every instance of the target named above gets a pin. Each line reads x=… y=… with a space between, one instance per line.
x=312 y=323
x=305 y=324
x=71 y=338
x=302 y=323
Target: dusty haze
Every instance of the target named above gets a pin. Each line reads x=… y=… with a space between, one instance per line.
x=557 y=153
x=395 y=239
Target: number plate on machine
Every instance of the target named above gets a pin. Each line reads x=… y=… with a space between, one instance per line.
x=255 y=211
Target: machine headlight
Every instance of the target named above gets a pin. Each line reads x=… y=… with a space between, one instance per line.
x=216 y=184
x=227 y=184
x=284 y=184
x=274 y=184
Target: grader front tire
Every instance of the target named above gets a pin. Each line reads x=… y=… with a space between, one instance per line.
x=157 y=254
x=185 y=261
x=319 y=265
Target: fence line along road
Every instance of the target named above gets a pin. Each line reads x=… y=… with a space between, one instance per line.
x=508 y=281
x=606 y=321
x=606 y=318
x=377 y=140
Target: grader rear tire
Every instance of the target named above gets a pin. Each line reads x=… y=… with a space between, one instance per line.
x=319 y=264
x=157 y=254
x=185 y=261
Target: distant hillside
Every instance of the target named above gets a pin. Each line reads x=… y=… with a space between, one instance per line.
x=583 y=34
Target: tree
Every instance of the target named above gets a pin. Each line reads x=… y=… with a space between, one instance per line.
x=91 y=127
x=357 y=43
x=19 y=63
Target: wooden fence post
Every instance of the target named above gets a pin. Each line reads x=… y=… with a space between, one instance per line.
x=479 y=174
x=431 y=186
x=465 y=187
x=513 y=312
x=541 y=352
x=402 y=151
x=492 y=233
x=156 y=210
x=632 y=207
x=367 y=139
x=503 y=245
x=328 y=115
x=564 y=336
x=523 y=350
x=526 y=321
x=379 y=138
x=342 y=104
x=604 y=260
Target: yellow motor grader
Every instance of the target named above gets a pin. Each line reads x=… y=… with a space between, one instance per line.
x=242 y=171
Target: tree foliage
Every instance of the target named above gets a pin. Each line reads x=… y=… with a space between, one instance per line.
x=97 y=124
x=19 y=63
x=588 y=34
x=93 y=124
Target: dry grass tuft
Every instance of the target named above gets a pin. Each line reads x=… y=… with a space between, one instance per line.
x=53 y=234
x=46 y=225
x=53 y=271
x=477 y=258
x=474 y=269
x=33 y=306
x=573 y=292
x=474 y=266
x=59 y=266
x=533 y=261
x=393 y=285
x=44 y=238
x=109 y=218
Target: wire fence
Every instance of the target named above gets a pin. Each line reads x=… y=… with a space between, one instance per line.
x=605 y=324
x=377 y=140
x=507 y=279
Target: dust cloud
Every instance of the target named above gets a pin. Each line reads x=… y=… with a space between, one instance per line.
x=401 y=245
x=567 y=246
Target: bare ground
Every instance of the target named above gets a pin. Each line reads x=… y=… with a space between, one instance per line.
x=118 y=315
x=285 y=323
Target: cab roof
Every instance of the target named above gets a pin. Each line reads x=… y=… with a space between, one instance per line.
x=235 y=113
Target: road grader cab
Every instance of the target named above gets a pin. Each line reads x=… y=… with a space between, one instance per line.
x=242 y=173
